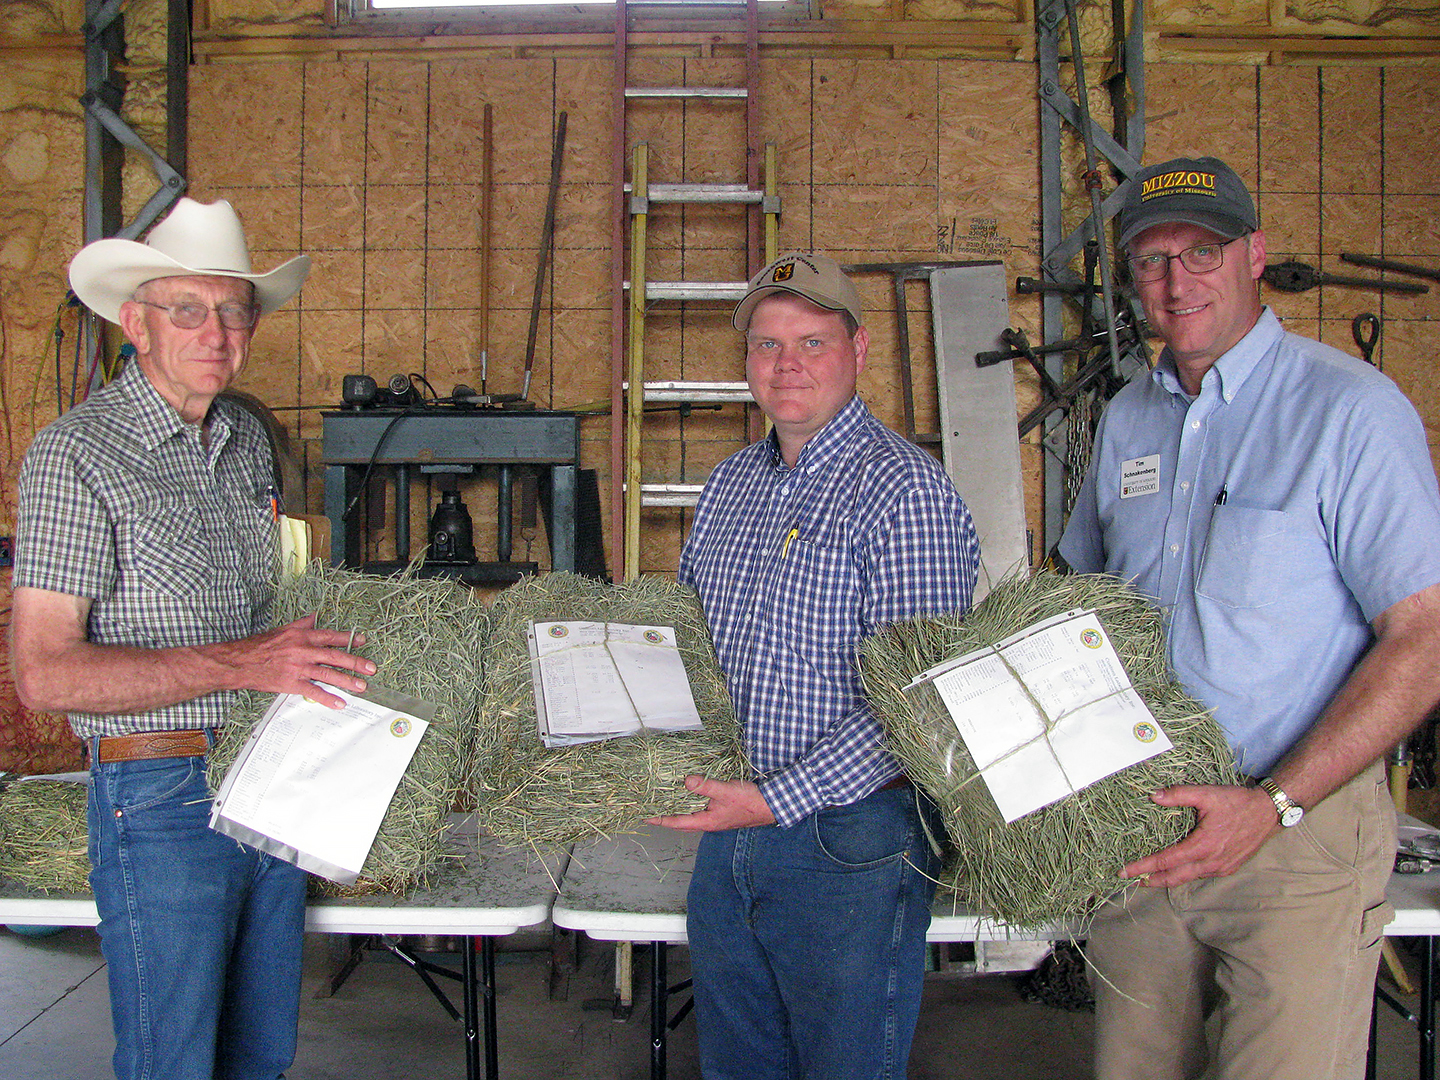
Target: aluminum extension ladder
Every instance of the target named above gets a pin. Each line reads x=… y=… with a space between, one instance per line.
x=636 y=298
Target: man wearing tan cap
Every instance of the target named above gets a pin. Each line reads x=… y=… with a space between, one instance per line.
x=812 y=886
x=1280 y=505
x=143 y=567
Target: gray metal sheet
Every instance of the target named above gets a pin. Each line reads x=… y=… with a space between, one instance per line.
x=978 y=428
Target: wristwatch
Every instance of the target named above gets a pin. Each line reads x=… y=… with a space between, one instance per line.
x=1289 y=810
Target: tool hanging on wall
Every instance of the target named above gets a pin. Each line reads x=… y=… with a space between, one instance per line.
x=1365 y=329
x=1292 y=276
x=1375 y=262
x=487 y=204
x=547 y=238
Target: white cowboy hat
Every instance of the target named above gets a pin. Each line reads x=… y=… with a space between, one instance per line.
x=195 y=239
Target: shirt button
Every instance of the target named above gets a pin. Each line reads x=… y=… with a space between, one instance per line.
x=1195 y=424
x=1184 y=485
x=1174 y=548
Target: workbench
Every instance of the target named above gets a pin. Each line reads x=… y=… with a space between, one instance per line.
x=439 y=439
x=483 y=892
x=632 y=888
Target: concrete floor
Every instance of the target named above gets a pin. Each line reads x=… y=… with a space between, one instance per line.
x=382 y=1022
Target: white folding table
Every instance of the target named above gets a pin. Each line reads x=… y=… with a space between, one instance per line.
x=632 y=888
x=482 y=891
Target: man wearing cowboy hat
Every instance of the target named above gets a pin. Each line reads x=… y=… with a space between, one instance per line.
x=145 y=552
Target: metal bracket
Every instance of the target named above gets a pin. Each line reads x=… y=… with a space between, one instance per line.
x=172 y=184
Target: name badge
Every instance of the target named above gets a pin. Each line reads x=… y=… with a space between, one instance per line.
x=1140 y=476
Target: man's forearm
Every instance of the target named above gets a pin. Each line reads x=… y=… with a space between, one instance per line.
x=118 y=679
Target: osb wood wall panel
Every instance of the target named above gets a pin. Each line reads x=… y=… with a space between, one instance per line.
x=1342 y=160
x=374 y=168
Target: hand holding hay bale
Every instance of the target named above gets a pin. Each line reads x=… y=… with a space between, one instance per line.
x=1056 y=863
x=427 y=639
x=44 y=841
x=528 y=794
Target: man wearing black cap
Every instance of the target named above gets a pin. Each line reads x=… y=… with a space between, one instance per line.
x=144 y=567
x=811 y=891
x=1277 y=499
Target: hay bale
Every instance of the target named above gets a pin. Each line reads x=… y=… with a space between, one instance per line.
x=427 y=638
x=1060 y=861
x=529 y=794
x=44 y=843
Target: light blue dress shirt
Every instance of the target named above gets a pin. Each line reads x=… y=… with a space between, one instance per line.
x=1272 y=517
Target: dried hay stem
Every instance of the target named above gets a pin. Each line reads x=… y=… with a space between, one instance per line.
x=528 y=794
x=1058 y=862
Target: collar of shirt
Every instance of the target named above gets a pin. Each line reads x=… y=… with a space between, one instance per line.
x=825 y=443
x=153 y=420
x=1233 y=368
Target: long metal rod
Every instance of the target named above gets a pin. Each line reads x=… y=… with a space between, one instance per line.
x=1092 y=183
x=177 y=85
x=487 y=209
x=1051 y=223
x=547 y=238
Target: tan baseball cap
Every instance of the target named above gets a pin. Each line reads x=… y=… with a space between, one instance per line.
x=817 y=278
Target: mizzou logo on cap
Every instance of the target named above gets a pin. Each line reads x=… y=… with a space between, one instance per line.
x=783 y=273
x=1177 y=183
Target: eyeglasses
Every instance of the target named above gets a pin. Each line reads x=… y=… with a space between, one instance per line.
x=189 y=315
x=1200 y=259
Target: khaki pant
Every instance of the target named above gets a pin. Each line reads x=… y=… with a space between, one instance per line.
x=1283 y=953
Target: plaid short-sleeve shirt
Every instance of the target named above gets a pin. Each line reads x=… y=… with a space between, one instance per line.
x=795 y=567
x=171 y=540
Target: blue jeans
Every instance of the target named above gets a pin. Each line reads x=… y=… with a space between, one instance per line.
x=201 y=935
x=807 y=944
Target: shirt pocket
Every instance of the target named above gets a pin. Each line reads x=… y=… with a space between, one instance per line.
x=813 y=605
x=1250 y=557
x=167 y=552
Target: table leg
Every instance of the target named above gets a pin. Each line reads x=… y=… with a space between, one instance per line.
x=470 y=982
x=1370 y=1048
x=659 y=1009
x=492 y=1052
x=1427 y=1012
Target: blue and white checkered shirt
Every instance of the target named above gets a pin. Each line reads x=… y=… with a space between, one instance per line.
x=173 y=540
x=795 y=567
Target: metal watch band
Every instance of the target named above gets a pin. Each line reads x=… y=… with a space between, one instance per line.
x=1287 y=809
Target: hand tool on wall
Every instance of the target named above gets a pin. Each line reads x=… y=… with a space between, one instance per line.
x=547 y=238
x=1365 y=329
x=487 y=219
x=1292 y=276
x=1377 y=263
x=487 y=203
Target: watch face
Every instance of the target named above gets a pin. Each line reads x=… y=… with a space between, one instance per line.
x=1291 y=816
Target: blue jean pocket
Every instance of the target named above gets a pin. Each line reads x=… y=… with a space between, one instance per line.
x=877 y=829
x=139 y=785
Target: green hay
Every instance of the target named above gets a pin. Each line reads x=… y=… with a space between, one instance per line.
x=427 y=638
x=1059 y=862
x=43 y=836
x=533 y=795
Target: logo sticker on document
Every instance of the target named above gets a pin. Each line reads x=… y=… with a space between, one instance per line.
x=1140 y=476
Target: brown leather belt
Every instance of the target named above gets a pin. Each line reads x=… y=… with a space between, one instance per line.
x=144 y=745
x=900 y=781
